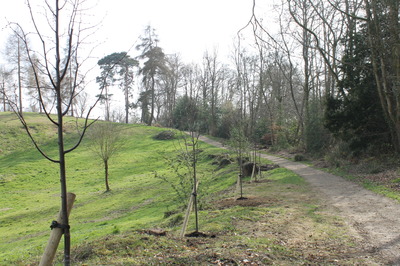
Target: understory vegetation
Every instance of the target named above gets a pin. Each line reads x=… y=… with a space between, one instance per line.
x=280 y=221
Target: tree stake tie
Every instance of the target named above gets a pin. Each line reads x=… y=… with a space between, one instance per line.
x=55 y=224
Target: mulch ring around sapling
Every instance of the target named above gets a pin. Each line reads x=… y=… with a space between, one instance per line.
x=199 y=234
x=245 y=202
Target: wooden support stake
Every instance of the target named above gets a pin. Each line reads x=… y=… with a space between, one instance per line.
x=238 y=184
x=253 y=175
x=189 y=207
x=56 y=234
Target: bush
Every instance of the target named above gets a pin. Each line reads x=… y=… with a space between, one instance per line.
x=338 y=154
x=299 y=158
x=317 y=137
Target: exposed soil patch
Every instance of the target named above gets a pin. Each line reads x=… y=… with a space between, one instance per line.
x=247 y=202
x=199 y=234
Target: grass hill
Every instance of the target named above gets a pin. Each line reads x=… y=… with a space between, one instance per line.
x=281 y=221
x=29 y=185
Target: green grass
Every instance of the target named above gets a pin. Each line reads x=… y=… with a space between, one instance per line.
x=284 y=176
x=30 y=187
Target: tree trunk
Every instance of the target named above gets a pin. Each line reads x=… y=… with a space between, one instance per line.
x=153 y=99
x=63 y=177
x=106 y=174
x=4 y=98
x=63 y=182
x=195 y=181
x=126 y=96
x=107 y=103
x=56 y=72
x=306 y=85
x=73 y=99
x=19 y=77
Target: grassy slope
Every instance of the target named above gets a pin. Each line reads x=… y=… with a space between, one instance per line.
x=282 y=222
x=30 y=187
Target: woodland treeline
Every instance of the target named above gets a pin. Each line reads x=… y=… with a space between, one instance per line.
x=325 y=76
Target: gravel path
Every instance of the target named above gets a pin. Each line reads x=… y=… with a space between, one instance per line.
x=374 y=217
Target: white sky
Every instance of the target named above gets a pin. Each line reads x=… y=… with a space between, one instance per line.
x=188 y=27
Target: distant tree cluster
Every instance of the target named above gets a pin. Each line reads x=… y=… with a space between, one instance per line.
x=328 y=72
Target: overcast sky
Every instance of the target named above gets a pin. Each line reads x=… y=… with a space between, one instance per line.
x=186 y=26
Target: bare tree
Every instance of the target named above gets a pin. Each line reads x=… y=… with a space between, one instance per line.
x=240 y=144
x=170 y=81
x=5 y=85
x=191 y=81
x=211 y=82
x=192 y=158
x=304 y=53
x=15 y=48
x=57 y=57
x=191 y=154
x=81 y=104
x=31 y=84
x=381 y=19
x=105 y=137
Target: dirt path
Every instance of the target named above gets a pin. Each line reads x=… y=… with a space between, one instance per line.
x=375 y=218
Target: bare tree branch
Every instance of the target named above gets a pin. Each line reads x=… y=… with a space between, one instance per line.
x=346 y=13
x=25 y=125
x=21 y=34
x=316 y=39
